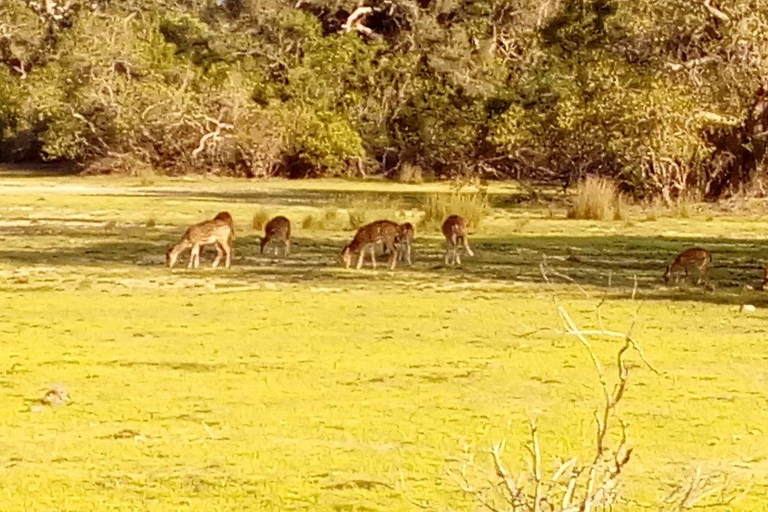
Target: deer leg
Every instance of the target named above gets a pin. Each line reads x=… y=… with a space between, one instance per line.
x=360 y=257
x=408 y=254
x=372 y=248
x=703 y=271
x=219 y=253
x=287 y=246
x=194 y=257
x=227 y=255
x=393 y=259
x=455 y=244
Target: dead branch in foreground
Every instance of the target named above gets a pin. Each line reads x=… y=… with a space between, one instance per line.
x=593 y=484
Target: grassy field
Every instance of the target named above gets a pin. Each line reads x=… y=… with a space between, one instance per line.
x=298 y=385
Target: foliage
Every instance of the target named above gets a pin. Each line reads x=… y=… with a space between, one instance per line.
x=472 y=205
x=260 y=219
x=665 y=97
x=596 y=199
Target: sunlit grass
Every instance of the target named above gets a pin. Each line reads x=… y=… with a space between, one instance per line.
x=297 y=384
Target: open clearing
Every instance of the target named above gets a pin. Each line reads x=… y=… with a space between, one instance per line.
x=298 y=385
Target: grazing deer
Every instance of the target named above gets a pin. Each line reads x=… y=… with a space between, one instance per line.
x=404 y=239
x=455 y=232
x=215 y=231
x=367 y=237
x=695 y=257
x=226 y=217
x=405 y=234
x=277 y=230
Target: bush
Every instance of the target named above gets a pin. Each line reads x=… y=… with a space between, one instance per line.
x=473 y=206
x=596 y=199
x=260 y=218
x=410 y=173
x=311 y=221
x=357 y=218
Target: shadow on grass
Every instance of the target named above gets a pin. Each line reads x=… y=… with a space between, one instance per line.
x=37 y=170
x=605 y=265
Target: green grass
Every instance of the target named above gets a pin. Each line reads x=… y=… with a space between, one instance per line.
x=295 y=384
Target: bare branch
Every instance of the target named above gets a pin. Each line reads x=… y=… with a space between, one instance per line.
x=714 y=11
x=535 y=448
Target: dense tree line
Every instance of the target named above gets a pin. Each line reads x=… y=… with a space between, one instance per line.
x=665 y=95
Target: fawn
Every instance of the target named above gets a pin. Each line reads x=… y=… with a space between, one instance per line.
x=695 y=257
x=365 y=239
x=216 y=231
x=277 y=230
x=226 y=217
x=404 y=239
x=455 y=232
x=405 y=234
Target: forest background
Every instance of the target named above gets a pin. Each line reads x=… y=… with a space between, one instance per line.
x=665 y=96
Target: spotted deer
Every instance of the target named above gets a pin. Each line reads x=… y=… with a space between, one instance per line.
x=277 y=230
x=455 y=232
x=405 y=233
x=695 y=257
x=226 y=217
x=367 y=237
x=216 y=231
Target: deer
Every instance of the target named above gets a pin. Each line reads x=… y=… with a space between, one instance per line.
x=277 y=229
x=765 y=277
x=695 y=257
x=367 y=237
x=225 y=216
x=455 y=232
x=215 y=231
x=405 y=233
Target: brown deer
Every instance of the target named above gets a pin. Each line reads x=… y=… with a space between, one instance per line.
x=765 y=277
x=226 y=217
x=455 y=232
x=695 y=257
x=277 y=230
x=367 y=237
x=215 y=231
x=405 y=233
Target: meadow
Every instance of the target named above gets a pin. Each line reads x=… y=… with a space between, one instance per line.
x=295 y=384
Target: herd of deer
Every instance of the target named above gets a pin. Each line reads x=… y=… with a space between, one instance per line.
x=396 y=239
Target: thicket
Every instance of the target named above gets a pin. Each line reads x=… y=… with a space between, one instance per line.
x=664 y=96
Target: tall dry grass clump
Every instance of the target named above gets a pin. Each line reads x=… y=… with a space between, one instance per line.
x=474 y=206
x=597 y=199
x=260 y=219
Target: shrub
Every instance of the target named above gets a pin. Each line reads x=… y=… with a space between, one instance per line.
x=310 y=222
x=357 y=218
x=596 y=199
x=410 y=173
x=260 y=218
x=473 y=206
